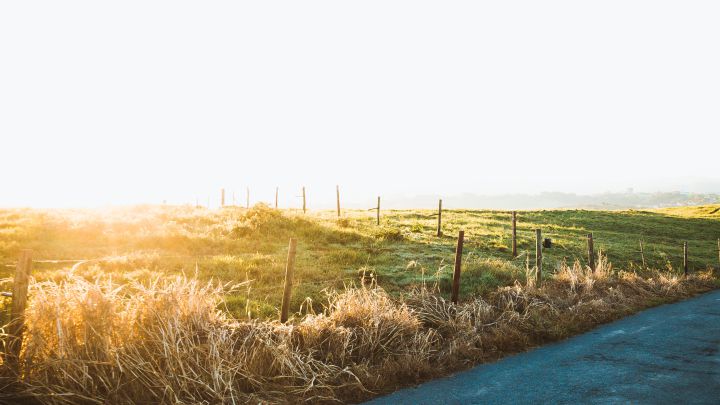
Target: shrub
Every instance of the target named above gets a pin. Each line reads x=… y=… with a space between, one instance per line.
x=389 y=234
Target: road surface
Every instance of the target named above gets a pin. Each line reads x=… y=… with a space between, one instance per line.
x=665 y=355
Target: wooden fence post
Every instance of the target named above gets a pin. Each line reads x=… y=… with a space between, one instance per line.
x=337 y=198
x=289 y=270
x=514 y=234
x=591 y=252
x=222 y=197
x=17 y=312
x=303 y=196
x=439 y=227
x=247 y=198
x=276 y=196
x=719 y=250
x=378 y=211
x=538 y=255
x=642 y=254
x=685 y=258
x=458 y=265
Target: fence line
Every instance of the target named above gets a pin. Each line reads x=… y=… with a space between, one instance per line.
x=25 y=262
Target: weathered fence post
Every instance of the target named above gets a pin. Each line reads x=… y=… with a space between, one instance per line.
x=378 y=211
x=247 y=198
x=458 y=265
x=17 y=312
x=514 y=234
x=303 y=196
x=538 y=256
x=591 y=252
x=222 y=197
x=685 y=258
x=289 y=270
x=337 y=197
x=439 y=227
x=642 y=254
x=276 y=196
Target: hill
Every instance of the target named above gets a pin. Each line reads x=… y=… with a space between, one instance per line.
x=560 y=200
x=237 y=245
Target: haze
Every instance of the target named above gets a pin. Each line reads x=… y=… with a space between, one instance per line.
x=143 y=102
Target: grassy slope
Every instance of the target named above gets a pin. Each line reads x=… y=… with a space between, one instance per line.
x=234 y=244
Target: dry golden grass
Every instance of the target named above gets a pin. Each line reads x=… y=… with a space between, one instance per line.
x=170 y=341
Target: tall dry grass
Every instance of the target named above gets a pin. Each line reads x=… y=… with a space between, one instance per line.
x=169 y=341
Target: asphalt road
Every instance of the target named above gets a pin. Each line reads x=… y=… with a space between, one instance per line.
x=668 y=354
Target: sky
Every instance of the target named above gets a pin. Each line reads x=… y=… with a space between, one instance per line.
x=149 y=101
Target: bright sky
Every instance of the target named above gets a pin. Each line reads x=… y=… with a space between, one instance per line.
x=144 y=101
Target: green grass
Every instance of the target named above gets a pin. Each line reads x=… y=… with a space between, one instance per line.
x=237 y=245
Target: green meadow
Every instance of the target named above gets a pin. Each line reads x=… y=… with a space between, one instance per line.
x=249 y=247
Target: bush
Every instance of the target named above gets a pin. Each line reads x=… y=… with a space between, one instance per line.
x=389 y=234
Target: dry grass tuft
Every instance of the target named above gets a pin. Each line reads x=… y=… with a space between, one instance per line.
x=169 y=341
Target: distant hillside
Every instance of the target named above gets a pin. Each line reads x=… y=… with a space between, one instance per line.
x=550 y=200
x=699 y=211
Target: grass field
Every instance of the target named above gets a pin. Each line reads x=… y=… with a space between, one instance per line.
x=138 y=305
x=239 y=245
